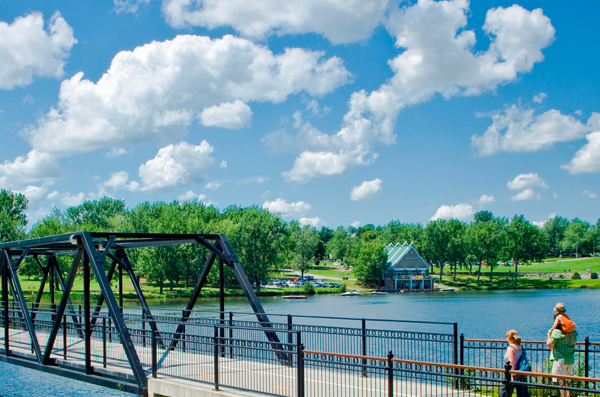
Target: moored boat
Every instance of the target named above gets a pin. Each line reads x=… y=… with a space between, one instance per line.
x=293 y=297
x=376 y=293
x=352 y=293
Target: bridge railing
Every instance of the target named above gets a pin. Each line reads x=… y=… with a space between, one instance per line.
x=490 y=354
x=412 y=340
x=361 y=376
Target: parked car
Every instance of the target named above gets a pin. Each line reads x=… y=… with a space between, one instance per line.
x=309 y=278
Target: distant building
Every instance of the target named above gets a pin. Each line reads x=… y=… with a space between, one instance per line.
x=406 y=270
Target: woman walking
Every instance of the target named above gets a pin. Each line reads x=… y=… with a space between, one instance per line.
x=514 y=354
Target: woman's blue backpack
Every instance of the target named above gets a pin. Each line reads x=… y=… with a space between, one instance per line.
x=523 y=364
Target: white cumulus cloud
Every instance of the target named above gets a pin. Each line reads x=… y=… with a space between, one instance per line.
x=27 y=49
x=539 y=97
x=36 y=166
x=588 y=194
x=234 y=115
x=524 y=181
x=160 y=87
x=587 y=159
x=190 y=195
x=485 y=199
x=462 y=212
x=438 y=58
x=367 y=190
x=314 y=222
x=339 y=21
x=288 y=210
x=129 y=6
x=518 y=130
x=213 y=185
x=72 y=200
x=174 y=165
x=527 y=194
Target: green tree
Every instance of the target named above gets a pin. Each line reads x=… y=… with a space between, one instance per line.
x=306 y=243
x=458 y=248
x=371 y=261
x=485 y=243
x=337 y=246
x=325 y=234
x=483 y=216
x=526 y=243
x=13 y=219
x=437 y=237
x=96 y=213
x=578 y=237
x=258 y=239
x=555 y=229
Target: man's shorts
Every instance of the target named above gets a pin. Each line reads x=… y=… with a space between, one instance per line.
x=561 y=369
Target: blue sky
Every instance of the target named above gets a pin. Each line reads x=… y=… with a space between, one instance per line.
x=331 y=113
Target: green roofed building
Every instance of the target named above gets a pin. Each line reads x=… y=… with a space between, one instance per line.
x=406 y=270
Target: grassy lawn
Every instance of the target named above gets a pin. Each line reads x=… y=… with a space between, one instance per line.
x=152 y=291
x=504 y=282
x=549 y=266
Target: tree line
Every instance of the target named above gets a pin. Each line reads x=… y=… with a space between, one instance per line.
x=264 y=242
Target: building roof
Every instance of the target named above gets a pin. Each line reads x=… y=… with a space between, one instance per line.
x=397 y=252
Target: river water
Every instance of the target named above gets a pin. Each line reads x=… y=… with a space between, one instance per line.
x=483 y=314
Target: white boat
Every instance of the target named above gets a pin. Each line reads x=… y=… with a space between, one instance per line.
x=376 y=293
x=353 y=293
x=447 y=290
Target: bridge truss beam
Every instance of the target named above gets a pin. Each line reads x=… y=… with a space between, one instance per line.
x=90 y=251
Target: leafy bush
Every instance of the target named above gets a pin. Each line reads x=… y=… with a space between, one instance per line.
x=576 y=276
x=308 y=288
x=343 y=288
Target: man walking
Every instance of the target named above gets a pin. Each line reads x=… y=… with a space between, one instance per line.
x=562 y=345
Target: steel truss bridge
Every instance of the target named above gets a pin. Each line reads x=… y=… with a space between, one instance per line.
x=105 y=256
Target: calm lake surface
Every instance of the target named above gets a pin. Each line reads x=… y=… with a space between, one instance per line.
x=486 y=314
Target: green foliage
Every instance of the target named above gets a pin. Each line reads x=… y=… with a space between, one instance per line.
x=264 y=242
x=337 y=246
x=578 y=237
x=96 y=214
x=258 y=238
x=576 y=276
x=526 y=243
x=12 y=215
x=343 y=288
x=483 y=216
x=306 y=242
x=308 y=289
x=371 y=261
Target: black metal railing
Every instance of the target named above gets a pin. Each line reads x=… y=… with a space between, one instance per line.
x=490 y=354
x=235 y=353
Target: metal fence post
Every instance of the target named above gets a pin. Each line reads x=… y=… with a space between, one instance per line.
x=216 y=358
x=230 y=335
x=586 y=356
x=143 y=327
x=462 y=359
x=506 y=381
x=104 y=341
x=289 y=327
x=390 y=369
x=364 y=345
x=154 y=353
x=183 y=330
x=65 y=336
x=300 y=365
